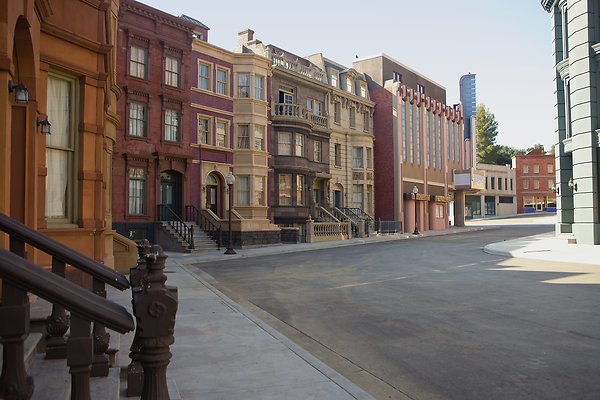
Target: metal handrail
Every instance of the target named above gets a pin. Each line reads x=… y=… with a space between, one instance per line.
x=213 y=230
x=168 y=215
x=60 y=252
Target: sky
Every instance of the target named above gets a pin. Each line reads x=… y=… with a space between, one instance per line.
x=506 y=44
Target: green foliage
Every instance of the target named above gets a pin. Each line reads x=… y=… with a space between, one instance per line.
x=537 y=146
x=487 y=130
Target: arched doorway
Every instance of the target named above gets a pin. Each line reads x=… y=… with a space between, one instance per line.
x=338 y=195
x=170 y=190
x=213 y=194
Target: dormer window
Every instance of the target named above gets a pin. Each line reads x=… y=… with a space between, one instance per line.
x=363 y=90
x=397 y=76
x=349 y=85
x=334 y=79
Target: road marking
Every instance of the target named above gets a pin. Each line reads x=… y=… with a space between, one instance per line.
x=371 y=283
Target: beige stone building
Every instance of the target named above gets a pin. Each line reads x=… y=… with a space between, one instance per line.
x=351 y=142
x=498 y=197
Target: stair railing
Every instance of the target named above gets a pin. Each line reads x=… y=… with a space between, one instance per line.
x=184 y=231
x=14 y=311
x=210 y=225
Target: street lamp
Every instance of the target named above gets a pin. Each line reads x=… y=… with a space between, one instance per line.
x=415 y=190
x=230 y=180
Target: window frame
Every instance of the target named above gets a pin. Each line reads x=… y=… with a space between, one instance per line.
x=357 y=157
x=282 y=145
x=207 y=133
x=222 y=84
x=243 y=190
x=288 y=190
x=299 y=141
x=259 y=94
x=170 y=74
x=207 y=78
x=225 y=135
x=259 y=139
x=143 y=203
x=142 y=121
x=241 y=128
x=168 y=126
x=246 y=94
x=138 y=64
x=317 y=151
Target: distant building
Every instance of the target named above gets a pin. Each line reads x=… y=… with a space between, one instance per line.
x=535 y=176
x=575 y=37
x=418 y=145
x=468 y=99
x=498 y=197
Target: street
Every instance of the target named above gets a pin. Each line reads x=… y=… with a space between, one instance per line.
x=429 y=318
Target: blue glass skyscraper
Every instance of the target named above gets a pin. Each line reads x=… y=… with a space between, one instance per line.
x=468 y=99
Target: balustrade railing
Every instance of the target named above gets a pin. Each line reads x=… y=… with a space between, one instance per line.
x=288 y=110
x=327 y=231
x=306 y=70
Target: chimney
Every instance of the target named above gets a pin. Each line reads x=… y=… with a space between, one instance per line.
x=245 y=36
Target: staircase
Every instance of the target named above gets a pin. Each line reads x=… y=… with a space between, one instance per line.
x=357 y=216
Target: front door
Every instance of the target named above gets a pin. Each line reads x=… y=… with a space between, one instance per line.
x=170 y=190
x=337 y=198
x=211 y=199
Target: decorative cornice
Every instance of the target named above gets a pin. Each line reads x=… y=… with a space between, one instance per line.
x=563 y=69
x=159 y=16
x=547 y=4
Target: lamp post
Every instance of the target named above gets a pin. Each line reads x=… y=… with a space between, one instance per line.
x=230 y=180
x=415 y=190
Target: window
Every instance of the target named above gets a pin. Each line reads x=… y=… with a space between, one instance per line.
x=505 y=183
x=525 y=169
x=550 y=168
x=536 y=169
x=357 y=196
x=411 y=134
x=505 y=200
x=334 y=79
x=259 y=84
x=300 y=190
x=349 y=85
x=259 y=137
x=171 y=125
x=318 y=108
x=352 y=117
x=138 y=62
x=337 y=112
x=439 y=145
x=243 y=85
x=420 y=88
x=222 y=81
x=243 y=136
x=259 y=190
x=550 y=184
x=221 y=134
x=137 y=191
x=204 y=136
x=60 y=149
x=309 y=105
x=511 y=184
x=317 y=150
x=299 y=145
x=439 y=211
x=172 y=71
x=525 y=184
x=369 y=157
x=366 y=121
x=285 y=189
x=448 y=139
x=427 y=139
x=486 y=182
x=243 y=190
x=284 y=143
x=418 y=135
x=204 y=76
x=536 y=185
x=357 y=157
x=493 y=181
x=363 y=90
x=286 y=94
x=397 y=76
x=137 y=119
x=337 y=154
x=499 y=183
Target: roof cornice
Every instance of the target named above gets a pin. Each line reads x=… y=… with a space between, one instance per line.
x=548 y=4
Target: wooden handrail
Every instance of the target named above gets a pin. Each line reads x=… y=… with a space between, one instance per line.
x=27 y=276
x=63 y=253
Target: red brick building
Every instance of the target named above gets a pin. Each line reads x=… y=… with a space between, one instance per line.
x=151 y=160
x=535 y=177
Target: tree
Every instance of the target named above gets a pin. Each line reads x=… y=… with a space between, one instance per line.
x=537 y=146
x=487 y=130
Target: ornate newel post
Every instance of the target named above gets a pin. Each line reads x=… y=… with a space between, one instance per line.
x=155 y=307
x=138 y=280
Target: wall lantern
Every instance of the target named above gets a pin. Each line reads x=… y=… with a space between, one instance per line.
x=45 y=125
x=572 y=185
x=555 y=189
x=21 y=92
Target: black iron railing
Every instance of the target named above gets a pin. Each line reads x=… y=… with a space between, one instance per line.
x=205 y=223
x=387 y=227
x=169 y=216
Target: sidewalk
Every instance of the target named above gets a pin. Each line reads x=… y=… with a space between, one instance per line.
x=222 y=351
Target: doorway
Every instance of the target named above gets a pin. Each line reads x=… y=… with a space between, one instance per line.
x=170 y=190
x=212 y=194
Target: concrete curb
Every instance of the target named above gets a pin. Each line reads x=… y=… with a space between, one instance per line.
x=335 y=377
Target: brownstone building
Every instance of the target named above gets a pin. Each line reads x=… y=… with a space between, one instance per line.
x=152 y=161
x=535 y=176
x=59 y=183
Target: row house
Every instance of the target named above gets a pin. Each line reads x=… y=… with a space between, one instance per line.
x=300 y=136
x=151 y=159
x=229 y=102
x=59 y=70
x=535 y=176
x=351 y=143
x=418 y=146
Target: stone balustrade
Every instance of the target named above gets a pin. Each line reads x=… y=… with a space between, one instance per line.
x=308 y=71
x=327 y=231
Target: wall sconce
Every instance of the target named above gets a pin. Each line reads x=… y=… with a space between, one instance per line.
x=45 y=125
x=572 y=185
x=21 y=92
x=555 y=189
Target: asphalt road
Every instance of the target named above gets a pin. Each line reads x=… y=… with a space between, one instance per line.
x=429 y=318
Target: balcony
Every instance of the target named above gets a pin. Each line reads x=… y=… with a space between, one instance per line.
x=290 y=112
x=310 y=72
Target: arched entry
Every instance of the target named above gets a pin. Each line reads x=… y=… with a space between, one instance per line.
x=170 y=190
x=22 y=131
x=338 y=192
x=213 y=194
